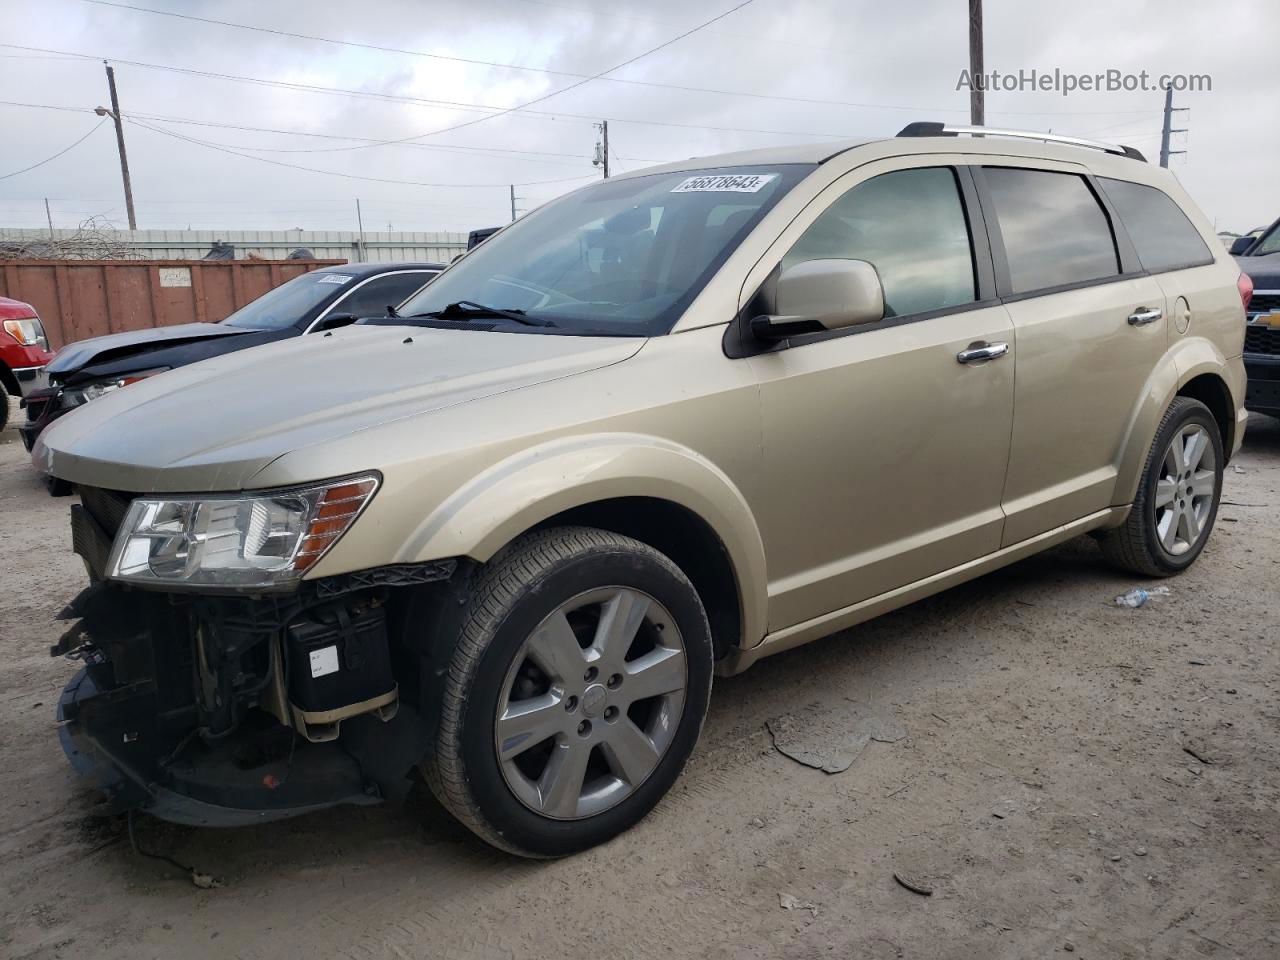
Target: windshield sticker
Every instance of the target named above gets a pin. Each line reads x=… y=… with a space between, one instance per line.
x=334 y=278
x=742 y=183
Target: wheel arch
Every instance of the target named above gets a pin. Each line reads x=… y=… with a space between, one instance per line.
x=1193 y=368
x=9 y=381
x=655 y=491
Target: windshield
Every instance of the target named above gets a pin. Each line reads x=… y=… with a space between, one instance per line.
x=621 y=258
x=1270 y=243
x=283 y=306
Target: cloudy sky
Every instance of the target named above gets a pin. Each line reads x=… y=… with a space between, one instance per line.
x=209 y=105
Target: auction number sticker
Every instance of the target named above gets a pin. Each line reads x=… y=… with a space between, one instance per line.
x=334 y=278
x=740 y=183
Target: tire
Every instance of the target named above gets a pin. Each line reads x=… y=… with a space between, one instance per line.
x=506 y=663
x=4 y=406
x=1144 y=544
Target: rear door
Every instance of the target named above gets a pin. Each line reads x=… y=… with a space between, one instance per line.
x=1090 y=327
x=884 y=454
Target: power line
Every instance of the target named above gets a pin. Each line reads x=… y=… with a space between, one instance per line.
x=584 y=78
x=528 y=114
x=60 y=152
x=336 y=173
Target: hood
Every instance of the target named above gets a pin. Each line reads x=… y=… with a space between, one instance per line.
x=1263 y=271
x=122 y=346
x=214 y=425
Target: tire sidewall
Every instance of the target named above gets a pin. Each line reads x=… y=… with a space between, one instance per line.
x=520 y=826
x=1197 y=413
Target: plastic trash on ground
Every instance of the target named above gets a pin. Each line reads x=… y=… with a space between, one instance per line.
x=1138 y=597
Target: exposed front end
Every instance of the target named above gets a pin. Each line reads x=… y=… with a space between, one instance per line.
x=225 y=707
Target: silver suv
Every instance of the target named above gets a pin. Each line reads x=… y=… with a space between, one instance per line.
x=661 y=427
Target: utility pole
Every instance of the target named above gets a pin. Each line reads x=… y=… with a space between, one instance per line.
x=977 y=96
x=513 y=203
x=360 y=227
x=48 y=216
x=1168 y=129
x=114 y=114
x=602 y=148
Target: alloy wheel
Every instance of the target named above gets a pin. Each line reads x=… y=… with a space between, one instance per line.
x=591 y=703
x=1185 y=490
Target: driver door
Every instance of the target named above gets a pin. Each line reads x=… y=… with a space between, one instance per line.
x=884 y=453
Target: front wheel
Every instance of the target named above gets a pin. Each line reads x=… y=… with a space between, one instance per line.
x=575 y=694
x=1177 y=500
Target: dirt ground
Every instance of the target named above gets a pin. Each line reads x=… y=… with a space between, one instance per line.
x=1076 y=778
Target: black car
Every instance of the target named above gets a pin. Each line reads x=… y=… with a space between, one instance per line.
x=1260 y=258
x=320 y=300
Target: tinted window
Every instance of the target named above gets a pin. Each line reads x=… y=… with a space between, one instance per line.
x=286 y=304
x=1160 y=231
x=372 y=298
x=1270 y=244
x=1054 y=230
x=910 y=225
x=623 y=257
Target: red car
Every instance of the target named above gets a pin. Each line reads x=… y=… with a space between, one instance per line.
x=23 y=352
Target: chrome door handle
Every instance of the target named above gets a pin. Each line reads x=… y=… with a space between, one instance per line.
x=982 y=352
x=1142 y=316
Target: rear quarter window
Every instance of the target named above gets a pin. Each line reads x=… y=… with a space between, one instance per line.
x=1161 y=233
x=1055 y=232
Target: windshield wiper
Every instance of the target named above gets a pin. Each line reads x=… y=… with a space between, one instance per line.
x=469 y=309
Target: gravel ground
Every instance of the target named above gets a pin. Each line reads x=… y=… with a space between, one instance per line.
x=1075 y=778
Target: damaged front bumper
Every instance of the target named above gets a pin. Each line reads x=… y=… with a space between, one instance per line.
x=229 y=710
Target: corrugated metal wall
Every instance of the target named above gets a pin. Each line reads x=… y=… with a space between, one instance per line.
x=77 y=299
x=271 y=244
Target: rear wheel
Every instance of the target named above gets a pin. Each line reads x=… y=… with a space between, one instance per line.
x=1177 y=500
x=4 y=406
x=575 y=694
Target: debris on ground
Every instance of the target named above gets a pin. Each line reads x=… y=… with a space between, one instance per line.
x=1197 y=751
x=788 y=902
x=204 y=881
x=1238 y=469
x=829 y=737
x=914 y=884
x=1138 y=597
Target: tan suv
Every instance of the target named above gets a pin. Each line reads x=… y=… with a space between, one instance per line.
x=661 y=427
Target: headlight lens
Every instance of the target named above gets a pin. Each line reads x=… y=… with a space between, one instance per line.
x=29 y=332
x=252 y=540
x=78 y=396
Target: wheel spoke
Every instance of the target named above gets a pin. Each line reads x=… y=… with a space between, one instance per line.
x=560 y=785
x=661 y=670
x=527 y=723
x=1197 y=444
x=1190 y=526
x=1168 y=528
x=1166 y=492
x=1203 y=483
x=631 y=755
x=555 y=649
x=1173 y=464
x=620 y=620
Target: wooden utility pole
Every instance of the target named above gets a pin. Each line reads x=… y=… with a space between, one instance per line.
x=977 y=96
x=124 y=157
x=48 y=216
x=360 y=226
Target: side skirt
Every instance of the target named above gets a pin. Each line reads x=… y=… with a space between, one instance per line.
x=828 y=623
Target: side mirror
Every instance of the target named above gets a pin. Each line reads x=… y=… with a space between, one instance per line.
x=1240 y=244
x=335 y=320
x=819 y=295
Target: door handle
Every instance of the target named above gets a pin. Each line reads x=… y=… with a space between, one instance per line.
x=1142 y=316
x=982 y=352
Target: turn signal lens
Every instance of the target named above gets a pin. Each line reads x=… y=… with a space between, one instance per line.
x=342 y=503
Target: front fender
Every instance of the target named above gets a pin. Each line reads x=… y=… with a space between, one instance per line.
x=518 y=493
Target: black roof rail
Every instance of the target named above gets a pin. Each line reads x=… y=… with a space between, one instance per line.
x=923 y=128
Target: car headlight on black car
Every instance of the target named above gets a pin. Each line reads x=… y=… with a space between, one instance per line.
x=79 y=395
x=239 y=541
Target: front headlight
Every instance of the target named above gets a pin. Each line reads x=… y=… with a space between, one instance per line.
x=78 y=396
x=242 y=541
x=29 y=332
